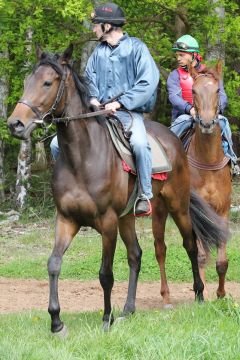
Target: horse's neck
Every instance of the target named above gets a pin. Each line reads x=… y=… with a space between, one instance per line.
x=207 y=147
x=80 y=137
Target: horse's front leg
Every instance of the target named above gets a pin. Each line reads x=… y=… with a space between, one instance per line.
x=134 y=254
x=65 y=230
x=109 y=226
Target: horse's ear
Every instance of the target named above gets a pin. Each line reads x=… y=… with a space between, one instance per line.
x=219 y=67
x=191 y=69
x=66 y=56
x=38 y=52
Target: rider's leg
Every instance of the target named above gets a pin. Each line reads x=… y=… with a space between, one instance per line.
x=54 y=147
x=227 y=143
x=142 y=153
x=181 y=124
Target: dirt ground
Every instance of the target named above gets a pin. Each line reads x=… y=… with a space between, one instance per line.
x=77 y=296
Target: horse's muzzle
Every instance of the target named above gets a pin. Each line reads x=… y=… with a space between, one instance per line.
x=207 y=128
x=19 y=130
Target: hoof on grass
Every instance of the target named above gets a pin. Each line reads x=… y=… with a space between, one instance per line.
x=106 y=326
x=168 y=306
x=62 y=334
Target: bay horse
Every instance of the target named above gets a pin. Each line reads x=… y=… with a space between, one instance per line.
x=209 y=168
x=90 y=187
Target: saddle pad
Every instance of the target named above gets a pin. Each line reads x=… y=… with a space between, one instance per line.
x=160 y=161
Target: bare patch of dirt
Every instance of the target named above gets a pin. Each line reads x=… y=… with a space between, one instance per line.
x=76 y=296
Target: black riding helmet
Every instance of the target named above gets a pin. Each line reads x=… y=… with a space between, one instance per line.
x=109 y=13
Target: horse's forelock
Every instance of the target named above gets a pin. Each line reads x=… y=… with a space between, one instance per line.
x=51 y=60
x=211 y=71
x=80 y=83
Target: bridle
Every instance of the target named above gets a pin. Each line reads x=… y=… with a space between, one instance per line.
x=41 y=117
x=206 y=128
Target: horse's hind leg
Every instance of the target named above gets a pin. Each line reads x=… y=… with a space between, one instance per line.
x=183 y=222
x=158 y=226
x=221 y=267
x=109 y=238
x=64 y=233
x=134 y=254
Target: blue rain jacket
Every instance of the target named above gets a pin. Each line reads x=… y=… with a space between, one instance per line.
x=127 y=67
x=181 y=106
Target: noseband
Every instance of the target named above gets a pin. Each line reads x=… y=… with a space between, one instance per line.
x=206 y=128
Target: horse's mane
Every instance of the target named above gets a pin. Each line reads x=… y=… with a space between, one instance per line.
x=80 y=83
x=211 y=71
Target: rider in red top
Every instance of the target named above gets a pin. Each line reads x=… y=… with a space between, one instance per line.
x=179 y=86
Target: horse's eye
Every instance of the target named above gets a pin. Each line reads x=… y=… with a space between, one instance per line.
x=193 y=91
x=218 y=91
x=47 y=83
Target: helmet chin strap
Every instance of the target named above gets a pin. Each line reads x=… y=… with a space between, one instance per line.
x=104 y=31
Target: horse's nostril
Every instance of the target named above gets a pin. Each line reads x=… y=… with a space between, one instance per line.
x=16 y=124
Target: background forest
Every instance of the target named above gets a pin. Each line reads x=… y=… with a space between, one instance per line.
x=53 y=24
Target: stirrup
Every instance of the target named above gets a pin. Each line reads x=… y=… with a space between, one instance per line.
x=142 y=197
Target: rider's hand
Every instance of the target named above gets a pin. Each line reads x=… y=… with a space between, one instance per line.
x=193 y=112
x=113 y=106
x=95 y=102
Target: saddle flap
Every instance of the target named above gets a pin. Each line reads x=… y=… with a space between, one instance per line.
x=160 y=161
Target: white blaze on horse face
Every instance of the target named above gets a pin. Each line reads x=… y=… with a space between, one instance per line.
x=208 y=83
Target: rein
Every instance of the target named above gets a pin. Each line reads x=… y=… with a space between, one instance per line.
x=41 y=116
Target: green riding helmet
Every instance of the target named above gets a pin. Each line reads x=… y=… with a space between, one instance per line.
x=186 y=43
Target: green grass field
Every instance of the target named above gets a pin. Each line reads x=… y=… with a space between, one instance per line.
x=25 y=255
x=189 y=332
x=207 y=332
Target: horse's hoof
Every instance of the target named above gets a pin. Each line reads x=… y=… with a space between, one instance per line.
x=221 y=295
x=63 y=333
x=199 y=298
x=168 y=306
x=120 y=319
x=106 y=326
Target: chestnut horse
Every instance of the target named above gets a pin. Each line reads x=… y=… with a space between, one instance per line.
x=90 y=187
x=209 y=167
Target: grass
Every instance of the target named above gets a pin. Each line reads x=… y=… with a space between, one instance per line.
x=207 y=332
x=25 y=255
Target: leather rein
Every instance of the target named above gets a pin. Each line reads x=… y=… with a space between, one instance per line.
x=41 y=116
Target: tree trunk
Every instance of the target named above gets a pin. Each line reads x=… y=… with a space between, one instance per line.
x=24 y=156
x=2 y=194
x=23 y=173
x=216 y=49
x=3 y=117
x=90 y=45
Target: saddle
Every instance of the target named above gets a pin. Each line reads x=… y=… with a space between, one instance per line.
x=160 y=162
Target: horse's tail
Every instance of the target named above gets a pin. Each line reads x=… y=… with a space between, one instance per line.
x=211 y=229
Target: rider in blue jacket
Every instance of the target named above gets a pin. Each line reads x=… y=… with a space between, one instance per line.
x=122 y=65
x=179 y=86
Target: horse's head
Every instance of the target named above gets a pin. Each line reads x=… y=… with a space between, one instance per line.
x=43 y=94
x=206 y=96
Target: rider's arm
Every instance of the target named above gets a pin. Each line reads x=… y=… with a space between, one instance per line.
x=222 y=97
x=146 y=78
x=175 y=94
x=91 y=78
